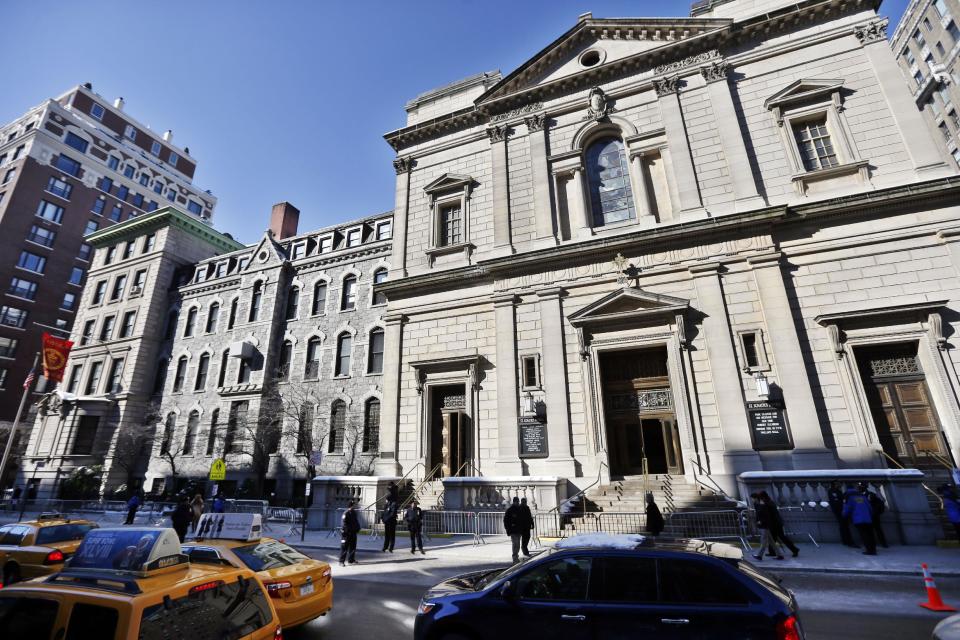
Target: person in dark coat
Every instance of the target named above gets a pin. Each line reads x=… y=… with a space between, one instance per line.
x=389 y=519
x=414 y=519
x=132 y=505
x=526 y=526
x=393 y=493
x=836 y=498
x=654 y=517
x=857 y=508
x=182 y=517
x=765 y=518
x=877 y=505
x=513 y=525
x=350 y=527
x=951 y=506
x=776 y=525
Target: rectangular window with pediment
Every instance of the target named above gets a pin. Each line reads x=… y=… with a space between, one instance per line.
x=450 y=214
x=451 y=225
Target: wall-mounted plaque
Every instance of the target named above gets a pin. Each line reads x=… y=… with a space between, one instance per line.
x=768 y=427
x=533 y=437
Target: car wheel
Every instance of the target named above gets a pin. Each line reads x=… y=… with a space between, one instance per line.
x=11 y=574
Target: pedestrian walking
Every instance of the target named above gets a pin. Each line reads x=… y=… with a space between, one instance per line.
x=951 y=505
x=512 y=524
x=857 y=508
x=765 y=517
x=654 y=517
x=132 y=505
x=389 y=519
x=196 y=508
x=836 y=498
x=414 y=519
x=877 y=505
x=393 y=493
x=526 y=527
x=15 y=499
x=219 y=504
x=181 y=518
x=349 y=527
x=776 y=525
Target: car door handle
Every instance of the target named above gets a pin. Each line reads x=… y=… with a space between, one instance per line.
x=570 y=618
x=674 y=621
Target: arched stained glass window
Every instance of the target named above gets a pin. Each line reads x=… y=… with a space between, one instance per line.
x=611 y=198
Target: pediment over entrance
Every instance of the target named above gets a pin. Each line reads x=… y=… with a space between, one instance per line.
x=626 y=304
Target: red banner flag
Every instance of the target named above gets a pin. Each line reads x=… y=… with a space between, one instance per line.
x=55 y=354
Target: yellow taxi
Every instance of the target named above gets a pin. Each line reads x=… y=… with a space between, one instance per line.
x=136 y=584
x=301 y=588
x=39 y=547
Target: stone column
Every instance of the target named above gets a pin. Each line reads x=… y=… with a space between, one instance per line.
x=738 y=453
x=810 y=451
x=388 y=462
x=542 y=211
x=917 y=139
x=581 y=222
x=555 y=383
x=683 y=170
x=641 y=199
x=731 y=136
x=502 y=242
x=402 y=201
x=508 y=461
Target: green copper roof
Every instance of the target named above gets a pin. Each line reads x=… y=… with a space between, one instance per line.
x=168 y=216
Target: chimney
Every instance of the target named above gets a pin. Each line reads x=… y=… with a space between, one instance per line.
x=283 y=220
x=168 y=135
x=118 y=104
x=88 y=86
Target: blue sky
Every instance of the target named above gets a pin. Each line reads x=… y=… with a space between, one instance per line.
x=283 y=100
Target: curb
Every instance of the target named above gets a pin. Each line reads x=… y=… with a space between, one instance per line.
x=864 y=572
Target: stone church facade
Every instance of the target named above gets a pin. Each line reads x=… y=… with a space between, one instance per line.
x=690 y=246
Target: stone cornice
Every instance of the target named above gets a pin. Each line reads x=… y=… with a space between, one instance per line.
x=167 y=216
x=946 y=190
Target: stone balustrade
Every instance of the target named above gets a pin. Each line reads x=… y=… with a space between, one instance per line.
x=802 y=498
x=335 y=492
x=494 y=494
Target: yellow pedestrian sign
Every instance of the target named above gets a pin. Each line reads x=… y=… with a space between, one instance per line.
x=218 y=470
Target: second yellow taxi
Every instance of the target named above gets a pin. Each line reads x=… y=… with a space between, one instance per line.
x=39 y=547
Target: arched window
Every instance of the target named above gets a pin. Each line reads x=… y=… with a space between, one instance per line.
x=212 y=435
x=319 y=298
x=371 y=426
x=348 y=296
x=159 y=379
x=202 y=365
x=193 y=423
x=611 y=198
x=375 y=351
x=312 y=369
x=232 y=318
x=380 y=275
x=213 y=317
x=255 y=298
x=243 y=371
x=344 y=347
x=293 y=303
x=338 y=425
x=283 y=361
x=191 y=322
x=224 y=364
x=168 y=426
x=180 y=374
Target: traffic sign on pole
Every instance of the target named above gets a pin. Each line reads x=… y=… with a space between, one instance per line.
x=218 y=470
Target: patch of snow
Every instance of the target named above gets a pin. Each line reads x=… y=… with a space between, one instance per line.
x=499 y=479
x=601 y=541
x=831 y=474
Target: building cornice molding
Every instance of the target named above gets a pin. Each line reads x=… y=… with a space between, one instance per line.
x=167 y=216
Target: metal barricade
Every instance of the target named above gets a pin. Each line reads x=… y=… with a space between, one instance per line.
x=621 y=522
x=707 y=525
x=795 y=525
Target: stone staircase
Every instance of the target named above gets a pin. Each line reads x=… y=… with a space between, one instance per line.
x=671 y=493
x=430 y=495
x=934 y=479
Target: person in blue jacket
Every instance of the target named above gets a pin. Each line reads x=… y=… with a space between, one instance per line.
x=951 y=505
x=857 y=508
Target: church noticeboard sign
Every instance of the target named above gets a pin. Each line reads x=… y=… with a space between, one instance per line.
x=533 y=437
x=768 y=427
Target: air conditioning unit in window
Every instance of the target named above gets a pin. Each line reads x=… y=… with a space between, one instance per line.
x=136 y=290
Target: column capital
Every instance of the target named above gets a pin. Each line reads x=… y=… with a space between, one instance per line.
x=402 y=164
x=505 y=299
x=498 y=133
x=770 y=259
x=536 y=122
x=551 y=293
x=874 y=31
x=716 y=71
x=395 y=318
x=703 y=270
x=666 y=86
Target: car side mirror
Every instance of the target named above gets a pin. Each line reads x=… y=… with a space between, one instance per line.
x=507 y=592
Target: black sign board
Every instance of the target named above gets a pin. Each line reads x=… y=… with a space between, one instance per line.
x=533 y=437
x=768 y=426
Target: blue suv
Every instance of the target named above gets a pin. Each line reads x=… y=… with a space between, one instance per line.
x=607 y=587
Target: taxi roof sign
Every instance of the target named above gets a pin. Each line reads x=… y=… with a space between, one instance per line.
x=139 y=550
x=230 y=526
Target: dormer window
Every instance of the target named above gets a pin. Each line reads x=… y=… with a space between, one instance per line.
x=353 y=237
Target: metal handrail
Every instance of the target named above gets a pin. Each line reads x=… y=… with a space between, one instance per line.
x=430 y=476
x=941 y=459
x=399 y=484
x=712 y=485
x=922 y=484
x=583 y=491
x=468 y=463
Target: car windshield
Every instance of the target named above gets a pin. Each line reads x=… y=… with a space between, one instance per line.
x=268 y=554
x=63 y=533
x=494 y=575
